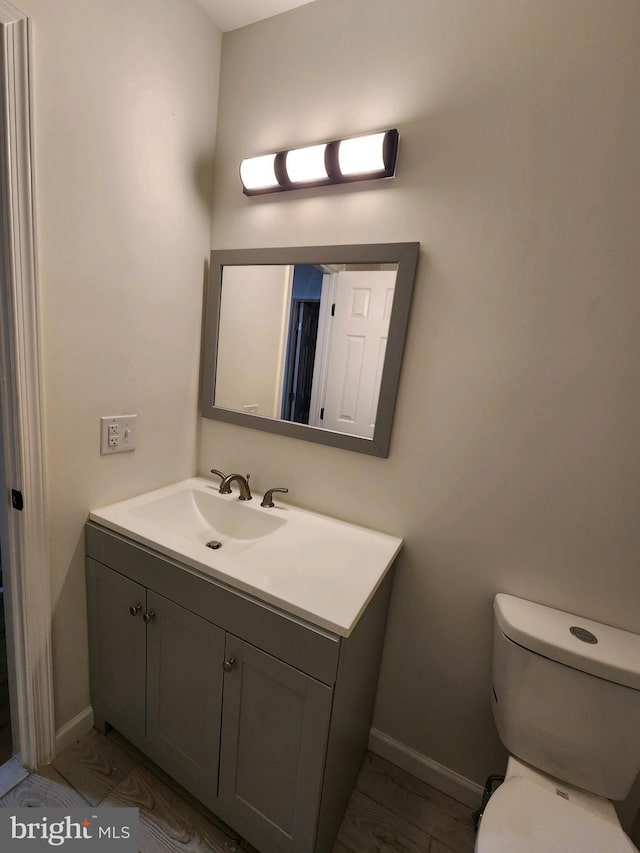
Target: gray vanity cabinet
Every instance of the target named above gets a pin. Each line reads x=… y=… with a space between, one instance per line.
x=156 y=677
x=118 y=645
x=184 y=695
x=275 y=724
x=264 y=717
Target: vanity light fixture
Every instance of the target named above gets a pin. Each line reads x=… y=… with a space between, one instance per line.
x=359 y=158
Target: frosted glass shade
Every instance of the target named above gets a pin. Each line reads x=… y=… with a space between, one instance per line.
x=259 y=173
x=304 y=165
x=361 y=155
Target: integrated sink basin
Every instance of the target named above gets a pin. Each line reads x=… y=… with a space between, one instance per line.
x=203 y=514
x=309 y=565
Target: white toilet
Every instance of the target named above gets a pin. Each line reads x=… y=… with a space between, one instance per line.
x=566 y=702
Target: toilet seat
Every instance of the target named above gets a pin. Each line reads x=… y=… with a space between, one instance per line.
x=525 y=817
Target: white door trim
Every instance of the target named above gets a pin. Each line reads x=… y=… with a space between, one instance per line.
x=25 y=535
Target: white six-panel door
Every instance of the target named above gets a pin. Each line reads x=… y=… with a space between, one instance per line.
x=358 y=340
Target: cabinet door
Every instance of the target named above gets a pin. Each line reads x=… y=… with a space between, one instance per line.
x=184 y=695
x=274 y=732
x=117 y=644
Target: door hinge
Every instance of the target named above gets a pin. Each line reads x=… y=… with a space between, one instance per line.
x=333 y=310
x=17 y=501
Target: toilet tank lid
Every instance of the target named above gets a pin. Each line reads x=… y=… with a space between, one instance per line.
x=547 y=631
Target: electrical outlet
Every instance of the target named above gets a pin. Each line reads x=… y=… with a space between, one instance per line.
x=117 y=434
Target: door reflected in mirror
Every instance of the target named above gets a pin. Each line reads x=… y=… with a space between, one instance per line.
x=305 y=342
x=308 y=342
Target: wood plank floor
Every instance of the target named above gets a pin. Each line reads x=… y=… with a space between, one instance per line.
x=390 y=810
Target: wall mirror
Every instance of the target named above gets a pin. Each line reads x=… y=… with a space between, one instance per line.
x=307 y=342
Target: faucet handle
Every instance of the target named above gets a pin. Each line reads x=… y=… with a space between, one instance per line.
x=267 y=500
x=218 y=473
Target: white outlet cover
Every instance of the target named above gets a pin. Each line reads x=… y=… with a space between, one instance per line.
x=117 y=434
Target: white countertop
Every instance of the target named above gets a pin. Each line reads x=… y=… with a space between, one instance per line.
x=312 y=566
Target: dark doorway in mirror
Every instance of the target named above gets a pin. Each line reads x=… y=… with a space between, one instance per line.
x=300 y=360
x=301 y=343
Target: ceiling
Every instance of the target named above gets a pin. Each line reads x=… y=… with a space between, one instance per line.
x=232 y=14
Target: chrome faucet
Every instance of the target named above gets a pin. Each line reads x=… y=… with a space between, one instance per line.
x=243 y=484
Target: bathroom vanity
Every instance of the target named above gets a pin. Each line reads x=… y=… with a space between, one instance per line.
x=258 y=704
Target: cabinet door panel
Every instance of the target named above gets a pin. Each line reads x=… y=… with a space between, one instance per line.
x=184 y=695
x=274 y=733
x=117 y=644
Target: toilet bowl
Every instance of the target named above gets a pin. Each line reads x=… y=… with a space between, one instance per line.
x=566 y=702
x=535 y=813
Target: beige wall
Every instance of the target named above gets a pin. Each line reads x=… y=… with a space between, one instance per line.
x=515 y=461
x=254 y=311
x=125 y=102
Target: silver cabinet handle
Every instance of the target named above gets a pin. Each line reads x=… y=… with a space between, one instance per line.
x=229 y=664
x=149 y=616
x=135 y=609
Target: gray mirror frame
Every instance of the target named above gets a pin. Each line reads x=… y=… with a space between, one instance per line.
x=405 y=255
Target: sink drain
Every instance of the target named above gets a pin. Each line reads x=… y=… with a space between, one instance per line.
x=214 y=544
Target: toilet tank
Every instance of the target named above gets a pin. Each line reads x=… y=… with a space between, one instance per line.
x=566 y=695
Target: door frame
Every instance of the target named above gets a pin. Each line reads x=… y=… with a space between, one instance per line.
x=24 y=533
x=327 y=298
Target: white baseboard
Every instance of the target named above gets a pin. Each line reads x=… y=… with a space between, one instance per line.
x=429 y=771
x=74 y=729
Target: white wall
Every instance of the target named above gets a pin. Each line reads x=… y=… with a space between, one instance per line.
x=125 y=103
x=515 y=461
